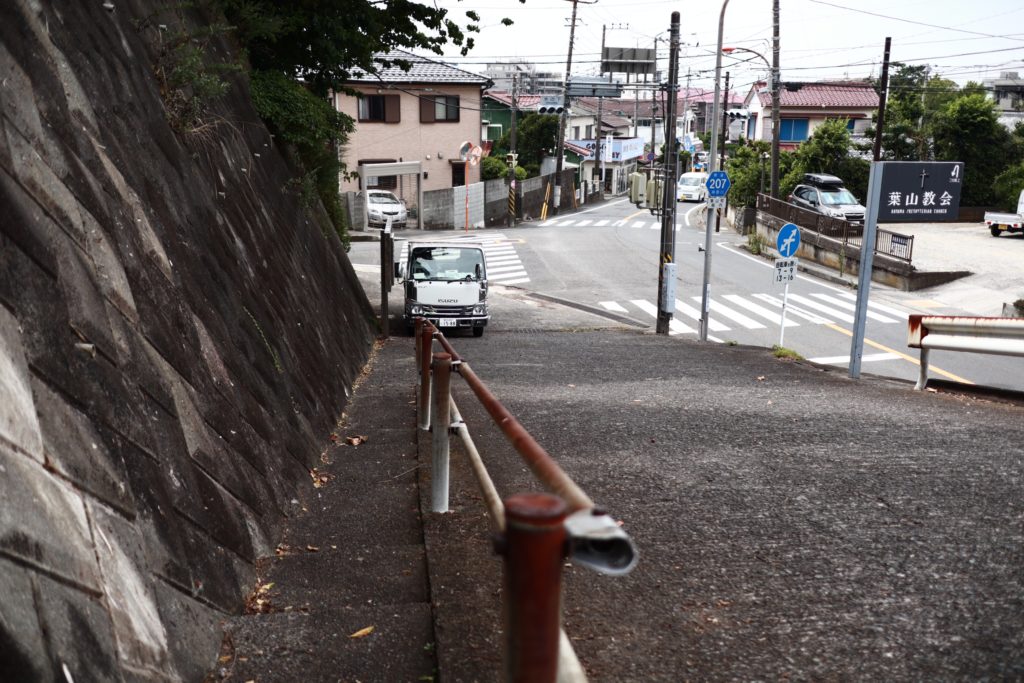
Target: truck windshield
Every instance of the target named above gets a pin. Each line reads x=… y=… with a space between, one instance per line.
x=447 y=264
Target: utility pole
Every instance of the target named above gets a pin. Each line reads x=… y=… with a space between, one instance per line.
x=560 y=146
x=667 y=273
x=597 y=129
x=512 y=166
x=776 y=97
x=654 y=107
x=686 y=114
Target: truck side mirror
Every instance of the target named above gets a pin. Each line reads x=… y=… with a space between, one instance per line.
x=399 y=272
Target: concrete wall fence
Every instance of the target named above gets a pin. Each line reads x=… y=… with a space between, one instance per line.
x=488 y=203
x=177 y=342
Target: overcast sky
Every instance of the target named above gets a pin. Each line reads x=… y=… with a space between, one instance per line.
x=961 y=40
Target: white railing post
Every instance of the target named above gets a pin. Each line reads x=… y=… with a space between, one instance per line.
x=440 y=425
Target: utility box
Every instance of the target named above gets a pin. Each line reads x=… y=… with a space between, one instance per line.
x=655 y=187
x=637 y=188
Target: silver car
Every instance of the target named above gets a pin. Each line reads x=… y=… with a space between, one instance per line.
x=381 y=205
x=825 y=194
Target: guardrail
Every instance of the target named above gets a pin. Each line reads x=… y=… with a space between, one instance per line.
x=894 y=244
x=1003 y=336
x=536 y=531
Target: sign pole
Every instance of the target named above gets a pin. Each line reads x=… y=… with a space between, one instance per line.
x=867 y=255
x=782 y=322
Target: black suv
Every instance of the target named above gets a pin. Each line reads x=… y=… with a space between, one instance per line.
x=825 y=194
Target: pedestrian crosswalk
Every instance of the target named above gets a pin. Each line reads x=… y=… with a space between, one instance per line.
x=761 y=310
x=647 y=223
x=503 y=264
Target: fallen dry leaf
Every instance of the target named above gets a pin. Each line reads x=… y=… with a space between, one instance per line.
x=282 y=549
x=363 y=632
x=760 y=378
x=356 y=440
x=313 y=548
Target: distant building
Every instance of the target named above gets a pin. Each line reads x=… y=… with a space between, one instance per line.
x=423 y=114
x=529 y=80
x=803 y=106
x=1007 y=92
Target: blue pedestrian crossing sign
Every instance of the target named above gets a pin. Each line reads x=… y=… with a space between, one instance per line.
x=788 y=240
x=718 y=184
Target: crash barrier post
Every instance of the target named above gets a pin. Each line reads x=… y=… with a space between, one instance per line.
x=1002 y=336
x=534 y=531
x=440 y=411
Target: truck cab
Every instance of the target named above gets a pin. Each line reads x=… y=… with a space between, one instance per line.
x=446 y=283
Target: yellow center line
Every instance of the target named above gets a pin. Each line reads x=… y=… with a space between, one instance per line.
x=909 y=359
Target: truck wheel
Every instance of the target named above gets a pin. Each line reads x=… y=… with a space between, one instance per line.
x=478 y=331
x=995 y=231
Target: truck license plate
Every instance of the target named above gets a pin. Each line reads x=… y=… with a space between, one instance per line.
x=446 y=322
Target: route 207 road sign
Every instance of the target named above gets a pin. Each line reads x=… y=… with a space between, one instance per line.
x=716 y=202
x=718 y=184
x=788 y=240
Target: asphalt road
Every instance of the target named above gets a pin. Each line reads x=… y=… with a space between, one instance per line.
x=604 y=260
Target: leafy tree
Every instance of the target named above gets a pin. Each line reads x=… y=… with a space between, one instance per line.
x=1008 y=186
x=914 y=98
x=828 y=151
x=968 y=130
x=322 y=41
x=536 y=135
x=494 y=166
x=745 y=168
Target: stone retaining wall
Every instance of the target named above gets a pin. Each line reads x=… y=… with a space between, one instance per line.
x=177 y=342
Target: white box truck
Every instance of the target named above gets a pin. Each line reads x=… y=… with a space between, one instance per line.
x=446 y=283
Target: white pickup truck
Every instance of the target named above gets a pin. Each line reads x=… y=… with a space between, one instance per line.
x=1006 y=222
x=446 y=283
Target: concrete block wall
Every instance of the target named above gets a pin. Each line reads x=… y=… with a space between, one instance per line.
x=468 y=205
x=496 y=201
x=439 y=209
x=177 y=342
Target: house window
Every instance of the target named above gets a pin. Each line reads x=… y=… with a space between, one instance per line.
x=793 y=130
x=439 y=108
x=575 y=132
x=380 y=108
x=590 y=132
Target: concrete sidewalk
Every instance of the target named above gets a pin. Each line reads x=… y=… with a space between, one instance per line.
x=792 y=523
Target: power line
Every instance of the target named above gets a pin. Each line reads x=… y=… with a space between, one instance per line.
x=911 y=21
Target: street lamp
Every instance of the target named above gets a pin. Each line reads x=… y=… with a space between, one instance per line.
x=774 y=76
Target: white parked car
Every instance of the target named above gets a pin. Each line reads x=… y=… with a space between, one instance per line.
x=381 y=205
x=691 y=187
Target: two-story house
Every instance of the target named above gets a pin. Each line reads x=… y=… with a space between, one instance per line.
x=805 y=106
x=423 y=113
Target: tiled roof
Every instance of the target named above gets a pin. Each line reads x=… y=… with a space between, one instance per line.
x=422 y=70
x=839 y=94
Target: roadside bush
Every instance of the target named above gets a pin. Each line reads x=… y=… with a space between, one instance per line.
x=312 y=131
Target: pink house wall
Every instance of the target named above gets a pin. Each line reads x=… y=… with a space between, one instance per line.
x=433 y=144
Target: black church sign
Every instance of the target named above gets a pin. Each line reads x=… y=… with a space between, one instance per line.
x=920 y=191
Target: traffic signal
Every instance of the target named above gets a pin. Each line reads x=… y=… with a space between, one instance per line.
x=737 y=114
x=511 y=159
x=550 y=104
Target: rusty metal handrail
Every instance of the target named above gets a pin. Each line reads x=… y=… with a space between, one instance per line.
x=536 y=531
